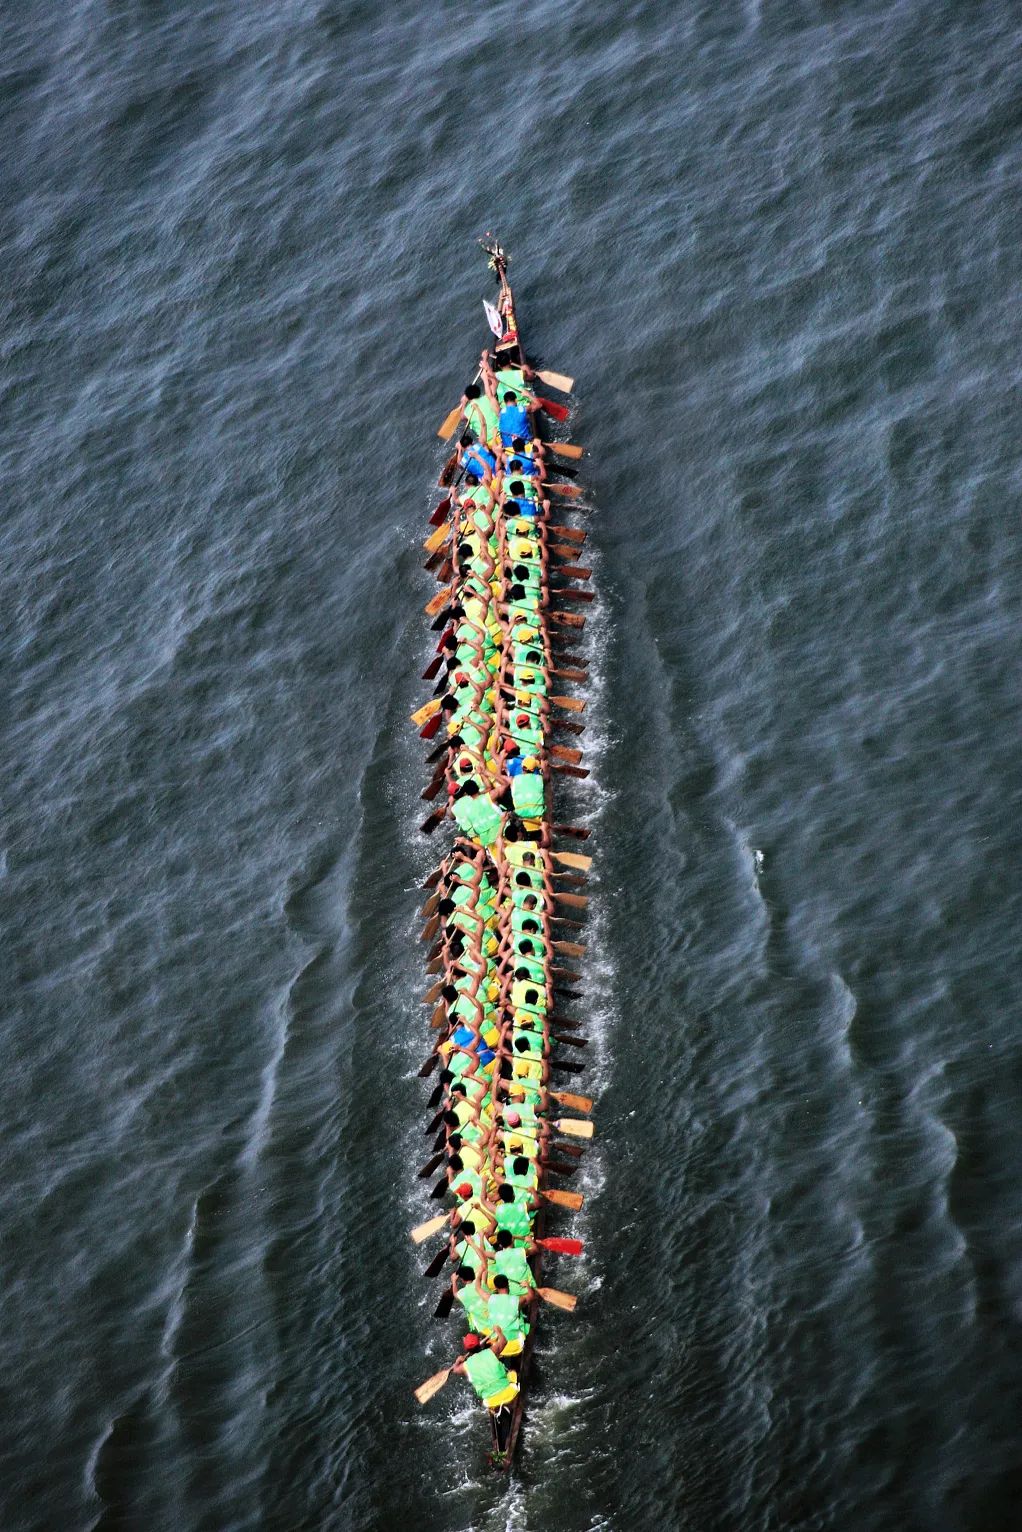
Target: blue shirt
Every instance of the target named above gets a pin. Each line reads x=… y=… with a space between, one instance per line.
x=514 y=766
x=521 y=508
x=513 y=422
x=475 y=459
x=520 y=467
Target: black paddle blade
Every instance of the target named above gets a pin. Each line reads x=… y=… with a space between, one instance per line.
x=567 y=1066
x=443 y=1308
x=578 y=831
x=558 y=1168
x=440 y=1189
x=429 y=1066
x=434 y=1100
x=430 y=1165
x=441 y=621
x=440 y=1142
x=432 y=1127
x=568 y=994
x=572 y=1042
x=429 y=825
x=436 y=1265
x=434 y=755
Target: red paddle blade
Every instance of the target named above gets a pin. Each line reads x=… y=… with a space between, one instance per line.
x=430 y=727
x=432 y=668
x=558 y=411
x=440 y=514
x=560 y=1244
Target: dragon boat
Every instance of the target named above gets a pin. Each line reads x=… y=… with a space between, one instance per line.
x=504 y=902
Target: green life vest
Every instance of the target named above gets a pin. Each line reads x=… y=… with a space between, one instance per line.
x=486 y=1373
x=505 y=1314
x=483 y=417
x=527 y=794
x=515 y=1217
x=487 y=818
x=514 y=1264
x=512 y=380
x=476 y=1306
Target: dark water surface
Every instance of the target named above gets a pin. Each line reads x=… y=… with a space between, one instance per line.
x=780 y=245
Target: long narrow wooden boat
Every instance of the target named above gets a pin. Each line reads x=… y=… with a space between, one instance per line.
x=504 y=898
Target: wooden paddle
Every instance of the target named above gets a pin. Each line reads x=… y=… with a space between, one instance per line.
x=431 y=928
x=564 y=491
x=438 y=1262
x=573 y=1200
x=433 y=995
x=570 y=771
x=440 y=1189
x=567 y=593
x=425 y=712
x=437 y=539
x=577 y=832
x=574 y=572
x=569 y=949
x=565 y=753
x=558 y=380
x=429 y=1066
x=569 y=704
x=577 y=1103
x=424 y=1231
x=574 y=1127
x=429 y=825
x=432 y=1386
x=570 y=534
x=431 y=669
x=430 y=1165
x=567 y=619
x=566 y=449
x=556 y=1299
x=450 y=424
x=570 y=1042
x=567 y=1066
x=573 y=859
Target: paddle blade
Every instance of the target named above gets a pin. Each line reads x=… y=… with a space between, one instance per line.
x=429 y=729
x=566 y=449
x=431 y=1165
x=443 y=1308
x=565 y=491
x=558 y=1300
x=438 y=1018
x=570 y=534
x=431 y=669
x=575 y=572
x=425 y=712
x=573 y=1200
x=571 y=771
x=570 y=1042
x=440 y=514
x=425 y=1391
x=565 y=753
x=558 y=380
x=580 y=833
x=573 y=1128
x=429 y=825
x=570 y=949
x=429 y=1066
x=576 y=1103
x=569 y=704
x=573 y=859
x=424 y=1231
x=554 y=410
x=560 y=1244
x=434 y=1100
x=440 y=1189
x=450 y=424
x=437 y=1264
x=436 y=539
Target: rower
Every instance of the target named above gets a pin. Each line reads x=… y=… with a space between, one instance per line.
x=514 y=420
x=495 y=1384
x=504 y=1313
x=480 y=413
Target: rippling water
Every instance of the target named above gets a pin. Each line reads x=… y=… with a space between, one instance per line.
x=779 y=245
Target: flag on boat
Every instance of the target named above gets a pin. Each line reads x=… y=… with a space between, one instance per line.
x=493 y=319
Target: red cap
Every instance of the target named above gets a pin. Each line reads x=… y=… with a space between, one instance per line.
x=471 y=1342
x=464 y=1190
